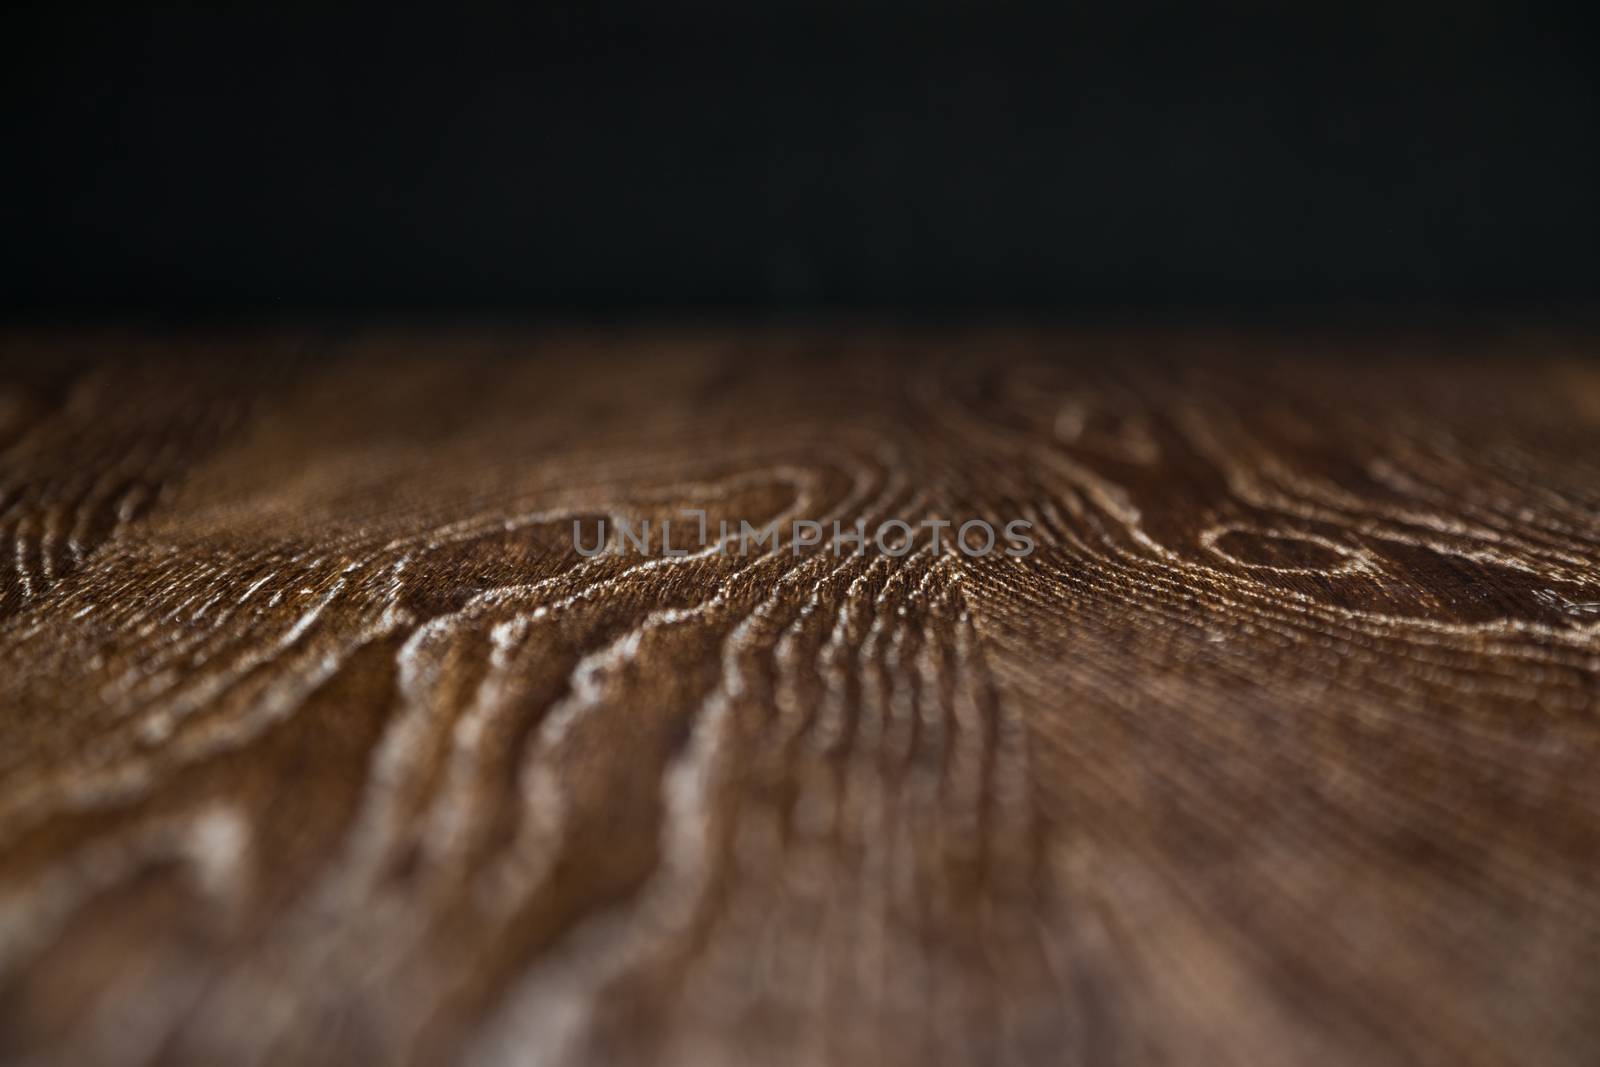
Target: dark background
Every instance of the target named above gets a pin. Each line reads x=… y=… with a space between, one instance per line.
x=790 y=157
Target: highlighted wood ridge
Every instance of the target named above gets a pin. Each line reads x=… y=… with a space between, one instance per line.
x=325 y=739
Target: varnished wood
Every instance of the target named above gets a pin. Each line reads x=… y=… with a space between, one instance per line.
x=319 y=743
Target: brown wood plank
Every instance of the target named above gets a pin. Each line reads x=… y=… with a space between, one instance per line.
x=320 y=743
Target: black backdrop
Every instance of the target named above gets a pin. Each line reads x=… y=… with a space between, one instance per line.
x=614 y=157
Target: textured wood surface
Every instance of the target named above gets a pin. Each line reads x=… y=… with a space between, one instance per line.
x=320 y=744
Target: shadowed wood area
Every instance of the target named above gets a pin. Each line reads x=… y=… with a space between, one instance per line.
x=320 y=742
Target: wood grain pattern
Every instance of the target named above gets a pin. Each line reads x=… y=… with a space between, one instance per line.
x=319 y=743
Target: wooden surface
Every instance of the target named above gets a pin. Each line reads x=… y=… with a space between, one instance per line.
x=320 y=744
